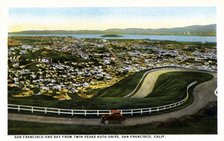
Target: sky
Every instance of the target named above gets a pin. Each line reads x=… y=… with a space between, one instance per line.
x=101 y=18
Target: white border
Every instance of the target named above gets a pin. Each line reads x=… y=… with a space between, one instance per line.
x=220 y=76
x=5 y=4
x=109 y=3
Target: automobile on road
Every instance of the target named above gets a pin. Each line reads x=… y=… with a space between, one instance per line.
x=114 y=117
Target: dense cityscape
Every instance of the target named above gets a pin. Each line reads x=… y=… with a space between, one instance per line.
x=59 y=66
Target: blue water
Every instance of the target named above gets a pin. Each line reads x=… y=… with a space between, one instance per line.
x=211 y=39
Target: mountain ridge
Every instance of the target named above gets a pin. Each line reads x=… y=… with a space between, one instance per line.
x=202 y=30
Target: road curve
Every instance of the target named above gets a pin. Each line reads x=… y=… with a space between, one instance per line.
x=203 y=94
x=150 y=81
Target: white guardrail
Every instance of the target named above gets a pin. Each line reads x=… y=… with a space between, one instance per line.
x=73 y=112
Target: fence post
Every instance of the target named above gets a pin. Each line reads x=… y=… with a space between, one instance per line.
x=141 y=111
x=18 y=108
x=131 y=112
x=32 y=109
x=58 y=111
x=121 y=112
x=97 y=112
x=45 y=110
x=150 y=110
x=110 y=112
x=85 y=112
x=72 y=113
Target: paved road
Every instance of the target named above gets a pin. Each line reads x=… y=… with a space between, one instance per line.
x=149 y=82
x=203 y=94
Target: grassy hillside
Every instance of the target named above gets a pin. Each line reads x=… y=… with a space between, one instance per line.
x=123 y=87
x=176 y=83
x=167 y=83
x=170 y=87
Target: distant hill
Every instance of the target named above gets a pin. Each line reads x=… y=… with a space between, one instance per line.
x=197 y=30
x=111 y=35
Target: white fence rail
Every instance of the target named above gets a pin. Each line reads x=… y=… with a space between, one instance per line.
x=72 y=112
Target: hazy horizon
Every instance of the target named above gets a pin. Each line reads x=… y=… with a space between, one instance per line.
x=109 y=28
x=98 y=18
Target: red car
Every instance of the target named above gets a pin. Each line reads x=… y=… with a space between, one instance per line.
x=114 y=117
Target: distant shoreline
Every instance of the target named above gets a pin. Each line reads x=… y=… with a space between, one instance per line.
x=178 y=38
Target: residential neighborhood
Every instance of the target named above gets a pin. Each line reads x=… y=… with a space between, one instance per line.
x=59 y=66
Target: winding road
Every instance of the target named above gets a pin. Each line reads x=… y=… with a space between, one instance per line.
x=203 y=94
x=149 y=83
